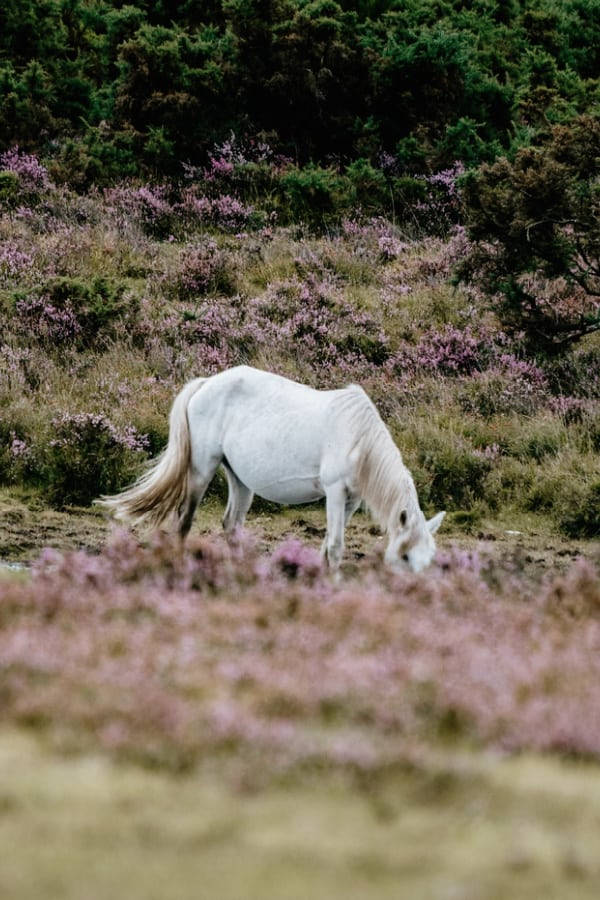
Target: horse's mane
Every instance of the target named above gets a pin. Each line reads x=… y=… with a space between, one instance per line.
x=384 y=482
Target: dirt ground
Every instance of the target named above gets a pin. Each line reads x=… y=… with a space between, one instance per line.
x=27 y=525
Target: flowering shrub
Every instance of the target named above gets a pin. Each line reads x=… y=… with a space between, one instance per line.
x=15 y=453
x=311 y=322
x=72 y=311
x=49 y=324
x=511 y=385
x=222 y=334
x=88 y=456
x=147 y=206
x=224 y=213
x=14 y=262
x=442 y=207
x=32 y=176
x=247 y=168
x=202 y=269
x=376 y=236
x=295 y=560
x=449 y=351
x=169 y=657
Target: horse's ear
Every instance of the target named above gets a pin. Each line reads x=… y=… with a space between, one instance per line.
x=403 y=518
x=434 y=523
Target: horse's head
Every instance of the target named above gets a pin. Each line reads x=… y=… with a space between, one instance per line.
x=411 y=545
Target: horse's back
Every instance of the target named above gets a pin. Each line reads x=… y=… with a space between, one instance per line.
x=242 y=392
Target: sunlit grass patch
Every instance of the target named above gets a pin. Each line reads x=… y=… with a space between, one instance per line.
x=514 y=827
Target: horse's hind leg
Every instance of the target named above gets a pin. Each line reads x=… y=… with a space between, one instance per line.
x=239 y=500
x=186 y=514
x=197 y=486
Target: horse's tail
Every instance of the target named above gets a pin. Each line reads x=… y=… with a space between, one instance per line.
x=163 y=487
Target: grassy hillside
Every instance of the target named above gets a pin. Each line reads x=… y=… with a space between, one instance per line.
x=111 y=301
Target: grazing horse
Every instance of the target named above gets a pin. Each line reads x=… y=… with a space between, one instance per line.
x=288 y=443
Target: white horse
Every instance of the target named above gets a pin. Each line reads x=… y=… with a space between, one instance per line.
x=288 y=443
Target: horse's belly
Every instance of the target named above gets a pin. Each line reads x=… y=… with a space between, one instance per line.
x=291 y=490
x=283 y=475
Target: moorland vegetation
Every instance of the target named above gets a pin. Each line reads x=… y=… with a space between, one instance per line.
x=113 y=298
x=399 y=193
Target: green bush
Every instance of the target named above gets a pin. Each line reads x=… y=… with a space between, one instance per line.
x=314 y=195
x=9 y=190
x=368 y=187
x=570 y=492
x=535 y=222
x=581 y=517
x=450 y=475
x=88 y=456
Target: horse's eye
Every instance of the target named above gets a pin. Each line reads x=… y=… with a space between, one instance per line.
x=405 y=557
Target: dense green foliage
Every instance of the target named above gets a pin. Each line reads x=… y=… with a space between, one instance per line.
x=110 y=89
x=536 y=225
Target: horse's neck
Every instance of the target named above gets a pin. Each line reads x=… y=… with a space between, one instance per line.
x=385 y=483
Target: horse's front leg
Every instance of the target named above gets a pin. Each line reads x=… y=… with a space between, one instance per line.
x=333 y=545
x=351 y=504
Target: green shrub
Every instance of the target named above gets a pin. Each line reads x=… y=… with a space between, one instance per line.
x=589 y=431
x=538 y=438
x=535 y=221
x=9 y=190
x=89 y=456
x=569 y=490
x=368 y=187
x=508 y=483
x=450 y=475
x=581 y=517
x=314 y=195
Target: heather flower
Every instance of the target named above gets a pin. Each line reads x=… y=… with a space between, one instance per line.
x=310 y=321
x=376 y=237
x=171 y=657
x=46 y=322
x=449 y=351
x=509 y=385
x=147 y=206
x=14 y=262
x=389 y=247
x=32 y=175
x=19 y=449
x=203 y=268
x=571 y=409
x=490 y=452
x=296 y=560
x=442 y=208
x=89 y=456
x=225 y=212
